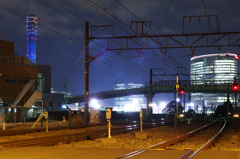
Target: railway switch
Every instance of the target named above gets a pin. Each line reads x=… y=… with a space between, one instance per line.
x=43 y=114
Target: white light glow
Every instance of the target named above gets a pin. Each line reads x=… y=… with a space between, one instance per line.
x=157 y=109
x=135 y=101
x=128 y=108
x=181 y=115
x=94 y=103
x=64 y=106
x=162 y=105
x=152 y=105
x=191 y=104
x=132 y=106
x=236 y=115
x=178 y=99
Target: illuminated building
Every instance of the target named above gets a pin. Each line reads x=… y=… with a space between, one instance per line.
x=130 y=103
x=31 y=36
x=212 y=69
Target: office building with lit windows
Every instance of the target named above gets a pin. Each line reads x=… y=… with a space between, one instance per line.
x=212 y=69
x=131 y=103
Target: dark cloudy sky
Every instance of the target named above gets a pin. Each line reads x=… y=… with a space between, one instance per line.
x=60 y=36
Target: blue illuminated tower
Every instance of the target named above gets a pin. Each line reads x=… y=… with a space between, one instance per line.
x=31 y=36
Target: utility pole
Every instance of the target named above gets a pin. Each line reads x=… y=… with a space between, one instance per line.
x=86 y=72
x=65 y=85
x=176 y=112
x=149 y=108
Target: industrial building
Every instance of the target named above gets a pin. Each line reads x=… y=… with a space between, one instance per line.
x=25 y=84
x=212 y=69
x=19 y=80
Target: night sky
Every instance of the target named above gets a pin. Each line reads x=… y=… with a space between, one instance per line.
x=61 y=27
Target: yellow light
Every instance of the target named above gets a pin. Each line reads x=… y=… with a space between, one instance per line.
x=236 y=115
x=1 y=74
x=181 y=115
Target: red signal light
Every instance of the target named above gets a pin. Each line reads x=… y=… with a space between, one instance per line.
x=182 y=91
x=235 y=86
x=236 y=57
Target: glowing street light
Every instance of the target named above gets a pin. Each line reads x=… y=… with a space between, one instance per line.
x=152 y=105
x=178 y=99
x=94 y=103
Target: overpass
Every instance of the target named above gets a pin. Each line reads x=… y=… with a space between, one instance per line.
x=162 y=87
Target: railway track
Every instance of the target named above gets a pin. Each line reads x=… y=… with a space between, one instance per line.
x=191 y=152
x=12 y=132
x=74 y=137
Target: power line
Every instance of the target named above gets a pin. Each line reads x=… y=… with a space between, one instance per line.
x=150 y=29
x=72 y=19
x=45 y=27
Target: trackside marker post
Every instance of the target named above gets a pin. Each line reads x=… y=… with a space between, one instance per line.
x=46 y=117
x=141 y=116
x=108 y=117
x=4 y=125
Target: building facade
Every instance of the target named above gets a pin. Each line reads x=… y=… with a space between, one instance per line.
x=212 y=69
x=131 y=103
x=15 y=72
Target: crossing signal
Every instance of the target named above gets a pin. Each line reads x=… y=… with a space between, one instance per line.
x=182 y=91
x=235 y=86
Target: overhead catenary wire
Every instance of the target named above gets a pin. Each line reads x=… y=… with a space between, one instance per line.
x=141 y=70
x=105 y=10
x=169 y=56
x=45 y=27
x=78 y=22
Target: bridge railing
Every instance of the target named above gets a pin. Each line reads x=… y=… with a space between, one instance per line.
x=191 y=82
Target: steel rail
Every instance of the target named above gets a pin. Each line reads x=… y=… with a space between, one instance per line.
x=73 y=137
x=12 y=132
x=167 y=142
x=209 y=142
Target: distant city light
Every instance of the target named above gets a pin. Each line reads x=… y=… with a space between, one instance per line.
x=64 y=106
x=152 y=105
x=178 y=99
x=162 y=105
x=157 y=109
x=132 y=106
x=191 y=104
x=236 y=115
x=181 y=115
x=135 y=101
x=94 y=103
